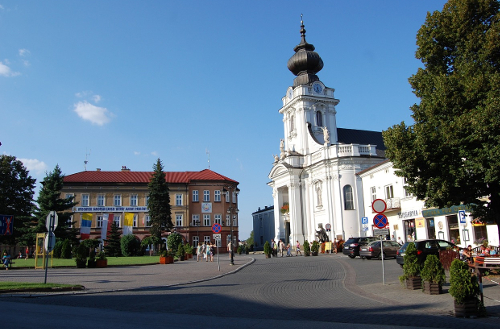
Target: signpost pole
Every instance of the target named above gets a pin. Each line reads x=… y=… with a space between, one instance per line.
x=51 y=225
x=383 y=265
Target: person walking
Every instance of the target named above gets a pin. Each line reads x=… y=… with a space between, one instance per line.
x=297 y=249
x=207 y=252
x=230 y=249
x=275 y=249
x=289 y=250
x=199 y=251
x=281 y=247
x=212 y=251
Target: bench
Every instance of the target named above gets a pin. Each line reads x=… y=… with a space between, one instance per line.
x=483 y=264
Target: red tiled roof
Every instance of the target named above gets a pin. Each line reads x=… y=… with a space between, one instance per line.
x=143 y=176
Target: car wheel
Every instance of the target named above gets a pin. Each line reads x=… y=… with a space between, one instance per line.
x=351 y=256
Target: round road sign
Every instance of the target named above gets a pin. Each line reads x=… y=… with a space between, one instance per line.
x=216 y=228
x=380 y=220
x=379 y=206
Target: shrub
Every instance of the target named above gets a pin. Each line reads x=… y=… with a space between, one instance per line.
x=57 y=249
x=463 y=285
x=433 y=270
x=411 y=267
x=130 y=245
x=267 y=249
x=180 y=250
x=66 y=249
x=173 y=241
x=315 y=248
x=307 y=248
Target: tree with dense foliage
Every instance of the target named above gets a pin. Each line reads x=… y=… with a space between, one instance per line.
x=451 y=154
x=159 y=202
x=112 y=245
x=16 y=196
x=130 y=245
x=50 y=199
x=250 y=241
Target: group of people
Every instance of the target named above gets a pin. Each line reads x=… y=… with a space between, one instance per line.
x=281 y=248
x=468 y=253
x=205 y=250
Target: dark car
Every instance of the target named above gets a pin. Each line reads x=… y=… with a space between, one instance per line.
x=424 y=248
x=351 y=246
x=372 y=250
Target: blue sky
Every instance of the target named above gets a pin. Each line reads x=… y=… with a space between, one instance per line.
x=123 y=83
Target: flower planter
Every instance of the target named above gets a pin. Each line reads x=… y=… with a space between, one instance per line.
x=432 y=288
x=414 y=283
x=100 y=263
x=166 y=260
x=82 y=263
x=467 y=309
x=91 y=263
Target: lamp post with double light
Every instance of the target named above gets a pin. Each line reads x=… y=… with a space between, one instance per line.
x=232 y=209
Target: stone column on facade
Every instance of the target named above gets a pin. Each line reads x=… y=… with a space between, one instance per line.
x=295 y=212
x=278 y=200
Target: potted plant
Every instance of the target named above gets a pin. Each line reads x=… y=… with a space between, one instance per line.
x=411 y=269
x=315 y=248
x=181 y=252
x=101 y=260
x=91 y=263
x=166 y=257
x=285 y=208
x=464 y=289
x=307 y=248
x=267 y=249
x=433 y=275
x=81 y=256
x=188 y=250
x=239 y=250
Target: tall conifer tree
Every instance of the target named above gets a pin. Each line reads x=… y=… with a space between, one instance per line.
x=159 y=202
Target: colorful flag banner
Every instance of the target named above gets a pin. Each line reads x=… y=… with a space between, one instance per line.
x=85 y=226
x=128 y=223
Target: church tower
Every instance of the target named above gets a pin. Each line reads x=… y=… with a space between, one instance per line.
x=314 y=176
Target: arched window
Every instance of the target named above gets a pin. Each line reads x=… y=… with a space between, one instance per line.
x=319 y=118
x=292 y=123
x=348 y=198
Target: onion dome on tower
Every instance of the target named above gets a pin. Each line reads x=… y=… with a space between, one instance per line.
x=305 y=63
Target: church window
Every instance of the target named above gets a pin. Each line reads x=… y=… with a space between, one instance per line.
x=292 y=123
x=348 y=198
x=319 y=118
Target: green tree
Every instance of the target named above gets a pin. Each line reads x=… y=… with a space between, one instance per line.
x=130 y=245
x=173 y=242
x=112 y=246
x=250 y=240
x=451 y=154
x=159 y=202
x=16 y=196
x=50 y=199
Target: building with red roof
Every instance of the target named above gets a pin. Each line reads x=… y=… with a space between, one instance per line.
x=198 y=199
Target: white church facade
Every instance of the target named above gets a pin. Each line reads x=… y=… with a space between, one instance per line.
x=313 y=179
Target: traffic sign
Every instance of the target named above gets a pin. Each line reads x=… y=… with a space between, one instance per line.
x=328 y=227
x=383 y=232
x=50 y=241
x=216 y=228
x=54 y=221
x=379 y=206
x=364 y=220
x=380 y=220
x=217 y=236
x=461 y=215
x=6 y=224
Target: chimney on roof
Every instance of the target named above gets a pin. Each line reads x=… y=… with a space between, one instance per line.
x=124 y=168
x=98 y=169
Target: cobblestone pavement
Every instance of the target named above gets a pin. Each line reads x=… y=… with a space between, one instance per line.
x=294 y=292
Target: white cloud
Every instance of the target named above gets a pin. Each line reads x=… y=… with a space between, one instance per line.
x=154 y=153
x=24 y=52
x=6 y=71
x=37 y=166
x=96 y=98
x=94 y=114
x=137 y=153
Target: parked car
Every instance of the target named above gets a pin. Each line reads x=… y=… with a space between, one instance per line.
x=351 y=246
x=372 y=250
x=424 y=248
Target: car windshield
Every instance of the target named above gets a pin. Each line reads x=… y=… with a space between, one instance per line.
x=348 y=242
x=403 y=248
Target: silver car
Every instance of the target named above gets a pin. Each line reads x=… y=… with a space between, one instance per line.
x=372 y=250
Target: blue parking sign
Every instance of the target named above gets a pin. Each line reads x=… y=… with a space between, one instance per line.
x=461 y=215
x=364 y=220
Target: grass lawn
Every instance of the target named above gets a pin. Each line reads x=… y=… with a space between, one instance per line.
x=112 y=261
x=25 y=286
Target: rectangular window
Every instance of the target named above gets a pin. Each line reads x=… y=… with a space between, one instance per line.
x=99 y=221
x=227 y=196
x=206 y=220
x=195 y=196
x=178 y=199
x=196 y=220
x=217 y=197
x=117 y=200
x=101 y=200
x=228 y=220
x=178 y=220
x=373 y=191
x=389 y=192
x=218 y=219
x=196 y=240
x=235 y=221
x=206 y=239
x=69 y=195
x=85 y=200
x=148 y=220
x=133 y=200
x=234 y=197
x=206 y=196
x=117 y=220
x=136 y=217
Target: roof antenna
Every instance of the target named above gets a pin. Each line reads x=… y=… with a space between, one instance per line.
x=86 y=161
x=208 y=153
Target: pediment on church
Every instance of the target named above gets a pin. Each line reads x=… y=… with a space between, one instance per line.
x=279 y=170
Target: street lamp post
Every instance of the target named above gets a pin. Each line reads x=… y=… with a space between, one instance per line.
x=230 y=211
